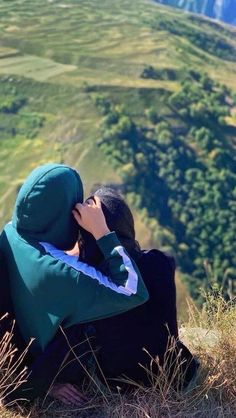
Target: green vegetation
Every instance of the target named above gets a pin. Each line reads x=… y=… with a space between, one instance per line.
x=82 y=79
x=215 y=45
x=133 y=60
x=159 y=74
x=183 y=178
x=14 y=119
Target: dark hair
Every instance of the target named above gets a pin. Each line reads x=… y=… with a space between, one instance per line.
x=119 y=218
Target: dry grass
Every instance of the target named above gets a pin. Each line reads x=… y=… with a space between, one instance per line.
x=214 y=391
x=211 y=335
x=12 y=371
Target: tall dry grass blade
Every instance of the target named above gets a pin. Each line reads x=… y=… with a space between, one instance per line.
x=89 y=375
x=12 y=371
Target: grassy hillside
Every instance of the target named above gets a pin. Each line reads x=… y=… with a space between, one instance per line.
x=56 y=57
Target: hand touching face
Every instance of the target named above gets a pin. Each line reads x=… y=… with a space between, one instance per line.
x=89 y=216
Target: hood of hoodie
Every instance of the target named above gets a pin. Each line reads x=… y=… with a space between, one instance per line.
x=43 y=208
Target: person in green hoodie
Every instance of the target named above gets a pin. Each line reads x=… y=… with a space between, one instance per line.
x=51 y=292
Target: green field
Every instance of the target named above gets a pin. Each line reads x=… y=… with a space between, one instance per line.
x=58 y=55
x=40 y=69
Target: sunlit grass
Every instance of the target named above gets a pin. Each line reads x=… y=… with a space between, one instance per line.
x=103 y=41
x=211 y=335
x=54 y=48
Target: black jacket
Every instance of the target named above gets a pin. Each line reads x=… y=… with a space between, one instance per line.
x=151 y=326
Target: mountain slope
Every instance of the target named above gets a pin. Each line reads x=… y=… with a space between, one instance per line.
x=62 y=62
x=224 y=10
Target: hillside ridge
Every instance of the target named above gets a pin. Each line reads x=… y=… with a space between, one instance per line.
x=141 y=70
x=224 y=10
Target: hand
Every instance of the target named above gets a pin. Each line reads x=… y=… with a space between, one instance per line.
x=68 y=394
x=89 y=216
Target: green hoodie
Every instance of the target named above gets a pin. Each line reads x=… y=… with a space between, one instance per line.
x=48 y=288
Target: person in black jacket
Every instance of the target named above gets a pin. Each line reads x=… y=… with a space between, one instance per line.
x=128 y=341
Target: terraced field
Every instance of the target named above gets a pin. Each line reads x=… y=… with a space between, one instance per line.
x=59 y=55
x=108 y=42
x=101 y=44
x=40 y=69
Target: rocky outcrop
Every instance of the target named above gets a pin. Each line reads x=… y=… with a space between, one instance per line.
x=224 y=10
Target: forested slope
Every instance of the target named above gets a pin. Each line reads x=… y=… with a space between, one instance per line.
x=150 y=88
x=179 y=169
